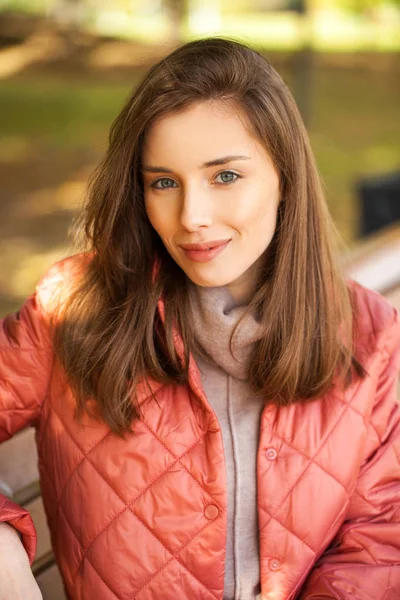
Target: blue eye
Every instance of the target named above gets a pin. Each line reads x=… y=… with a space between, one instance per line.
x=165 y=183
x=161 y=181
x=230 y=174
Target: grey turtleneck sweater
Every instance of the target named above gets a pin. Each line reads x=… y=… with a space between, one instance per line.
x=225 y=381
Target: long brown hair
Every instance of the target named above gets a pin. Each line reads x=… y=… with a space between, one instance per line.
x=110 y=335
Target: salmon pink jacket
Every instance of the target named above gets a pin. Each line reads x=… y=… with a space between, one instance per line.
x=145 y=518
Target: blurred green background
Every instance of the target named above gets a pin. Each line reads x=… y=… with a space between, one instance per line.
x=66 y=67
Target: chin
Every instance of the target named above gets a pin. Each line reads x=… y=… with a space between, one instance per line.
x=209 y=281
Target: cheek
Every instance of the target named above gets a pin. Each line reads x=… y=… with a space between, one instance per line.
x=257 y=201
x=259 y=216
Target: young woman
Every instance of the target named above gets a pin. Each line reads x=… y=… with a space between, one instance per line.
x=215 y=403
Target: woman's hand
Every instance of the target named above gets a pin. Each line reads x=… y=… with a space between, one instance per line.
x=16 y=579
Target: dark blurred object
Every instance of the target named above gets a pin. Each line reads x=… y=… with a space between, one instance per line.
x=16 y=27
x=379 y=202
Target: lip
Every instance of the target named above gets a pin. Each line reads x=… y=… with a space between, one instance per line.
x=205 y=251
x=204 y=245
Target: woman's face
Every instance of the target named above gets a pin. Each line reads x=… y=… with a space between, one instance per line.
x=207 y=181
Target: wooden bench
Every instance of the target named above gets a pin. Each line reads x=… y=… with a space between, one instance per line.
x=19 y=480
x=375 y=262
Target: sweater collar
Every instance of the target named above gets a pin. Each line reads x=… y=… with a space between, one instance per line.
x=215 y=315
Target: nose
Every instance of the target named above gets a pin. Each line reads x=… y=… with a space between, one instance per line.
x=196 y=210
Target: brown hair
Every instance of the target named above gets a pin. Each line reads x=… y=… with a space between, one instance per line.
x=111 y=336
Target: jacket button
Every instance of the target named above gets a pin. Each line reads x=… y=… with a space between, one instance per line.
x=271 y=454
x=211 y=511
x=274 y=564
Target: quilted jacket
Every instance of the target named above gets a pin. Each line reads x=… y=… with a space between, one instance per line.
x=145 y=518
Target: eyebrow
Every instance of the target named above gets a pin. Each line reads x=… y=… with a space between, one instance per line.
x=211 y=163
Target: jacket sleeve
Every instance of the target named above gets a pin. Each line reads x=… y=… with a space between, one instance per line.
x=363 y=561
x=26 y=359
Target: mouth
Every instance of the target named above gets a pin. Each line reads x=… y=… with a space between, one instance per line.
x=204 y=251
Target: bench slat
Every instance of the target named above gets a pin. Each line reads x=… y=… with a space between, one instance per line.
x=375 y=261
x=50 y=584
x=394 y=296
x=18 y=467
x=44 y=553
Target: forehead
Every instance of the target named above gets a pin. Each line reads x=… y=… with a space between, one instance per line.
x=202 y=131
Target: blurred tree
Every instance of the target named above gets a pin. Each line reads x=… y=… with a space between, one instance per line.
x=302 y=62
x=178 y=14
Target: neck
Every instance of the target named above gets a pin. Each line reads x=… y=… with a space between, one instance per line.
x=243 y=289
